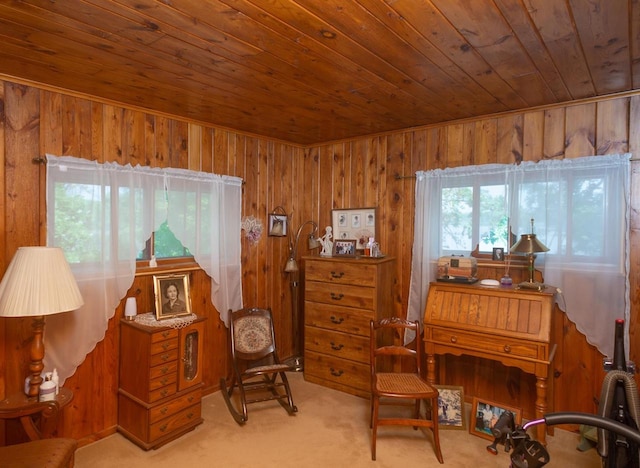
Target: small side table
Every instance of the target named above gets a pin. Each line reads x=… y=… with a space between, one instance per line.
x=38 y=418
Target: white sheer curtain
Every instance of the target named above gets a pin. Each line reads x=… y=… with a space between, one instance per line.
x=205 y=215
x=589 y=256
x=117 y=208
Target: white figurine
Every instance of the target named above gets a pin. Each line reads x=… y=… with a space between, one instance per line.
x=327 y=243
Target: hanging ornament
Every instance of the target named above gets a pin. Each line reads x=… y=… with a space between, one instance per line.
x=252 y=229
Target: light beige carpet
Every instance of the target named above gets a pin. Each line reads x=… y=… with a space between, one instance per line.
x=331 y=429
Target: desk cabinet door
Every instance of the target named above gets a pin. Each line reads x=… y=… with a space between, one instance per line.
x=190 y=358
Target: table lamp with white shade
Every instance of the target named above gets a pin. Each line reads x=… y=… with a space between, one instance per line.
x=38 y=282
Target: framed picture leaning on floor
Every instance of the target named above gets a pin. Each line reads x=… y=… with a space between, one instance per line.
x=451 y=410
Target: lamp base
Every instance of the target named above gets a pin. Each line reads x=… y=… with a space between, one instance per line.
x=532 y=285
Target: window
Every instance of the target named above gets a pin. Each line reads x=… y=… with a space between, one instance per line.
x=474 y=212
x=103 y=214
x=74 y=205
x=581 y=212
x=473 y=216
x=163 y=244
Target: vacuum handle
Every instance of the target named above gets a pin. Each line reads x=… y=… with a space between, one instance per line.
x=552 y=419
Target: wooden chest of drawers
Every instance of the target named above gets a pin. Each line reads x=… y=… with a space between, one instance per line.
x=341 y=297
x=160 y=392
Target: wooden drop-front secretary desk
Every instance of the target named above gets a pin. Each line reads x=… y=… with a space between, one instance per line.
x=509 y=325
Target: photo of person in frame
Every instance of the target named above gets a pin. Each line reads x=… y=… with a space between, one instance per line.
x=173 y=304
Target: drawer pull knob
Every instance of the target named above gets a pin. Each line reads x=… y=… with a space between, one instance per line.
x=454 y=339
x=336 y=347
x=336 y=373
x=163 y=428
x=190 y=415
x=164 y=357
x=164 y=381
x=165 y=334
x=164 y=370
x=337 y=275
x=190 y=399
x=336 y=320
x=165 y=346
x=164 y=410
x=163 y=393
x=336 y=297
x=507 y=348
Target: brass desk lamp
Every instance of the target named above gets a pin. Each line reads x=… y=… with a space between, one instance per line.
x=530 y=245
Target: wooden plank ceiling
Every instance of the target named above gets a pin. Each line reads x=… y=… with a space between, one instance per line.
x=311 y=71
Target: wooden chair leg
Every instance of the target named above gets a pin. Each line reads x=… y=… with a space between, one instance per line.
x=374 y=425
x=436 y=434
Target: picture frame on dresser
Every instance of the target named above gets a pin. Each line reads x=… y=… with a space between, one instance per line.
x=172 y=295
x=344 y=248
x=355 y=223
x=484 y=415
x=451 y=410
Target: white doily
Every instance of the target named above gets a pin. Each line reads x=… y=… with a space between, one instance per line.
x=149 y=319
x=252 y=229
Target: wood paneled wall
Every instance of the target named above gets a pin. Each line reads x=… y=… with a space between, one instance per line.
x=307 y=182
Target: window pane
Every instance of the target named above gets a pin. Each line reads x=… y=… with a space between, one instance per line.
x=588 y=217
x=547 y=204
x=494 y=223
x=166 y=245
x=457 y=219
x=74 y=205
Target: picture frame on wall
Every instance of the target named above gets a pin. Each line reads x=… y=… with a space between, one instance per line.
x=172 y=295
x=277 y=225
x=484 y=415
x=451 y=410
x=355 y=223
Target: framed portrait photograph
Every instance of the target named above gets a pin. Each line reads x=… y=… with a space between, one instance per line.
x=485 y=414
x=172 y=295
x=277 y=225
x=344 y=248
x=451 y=411
x=355 y=223
x=498 y=254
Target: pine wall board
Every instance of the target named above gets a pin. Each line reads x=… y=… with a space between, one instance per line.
x=308 y=182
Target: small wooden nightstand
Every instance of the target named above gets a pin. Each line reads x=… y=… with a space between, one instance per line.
x=38 y=418
x=160 y=392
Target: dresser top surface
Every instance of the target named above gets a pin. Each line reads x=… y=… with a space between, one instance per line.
x=354 y=260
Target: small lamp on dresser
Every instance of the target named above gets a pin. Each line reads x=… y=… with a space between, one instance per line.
x=529 y=245
x=38 y=282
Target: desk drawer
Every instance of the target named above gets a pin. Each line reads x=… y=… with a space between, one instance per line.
x=176 y=421
x=162 y=381
x=169 y=333
x=337 y=344
x=174 y=406
x=164 y=358
x=343 y=319
x=168 y=368
x=340 y=295
x=341 y=371
x=163 y=346
x=163 y=392
x=358 y=274
x=490 y=343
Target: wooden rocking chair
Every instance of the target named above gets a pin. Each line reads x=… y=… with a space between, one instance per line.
x=258 y=373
